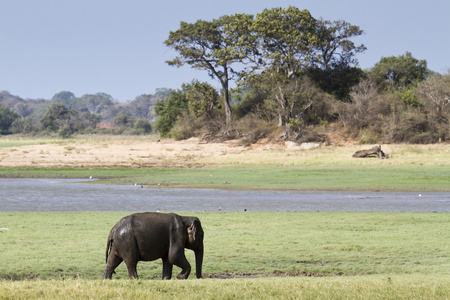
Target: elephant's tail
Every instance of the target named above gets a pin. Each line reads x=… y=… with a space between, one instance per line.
x=108 y=246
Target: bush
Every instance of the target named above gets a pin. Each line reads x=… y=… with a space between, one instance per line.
x=64 y=132
x=25 y=125
x=7 y=117
x=251 y=129
x=142 y=126
x=123 y=120
x=411 y=126
x=184 y=128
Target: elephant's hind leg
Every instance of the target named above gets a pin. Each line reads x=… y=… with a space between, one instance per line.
x=131 y=266
x=111 y=265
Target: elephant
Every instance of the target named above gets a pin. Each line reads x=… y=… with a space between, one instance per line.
x=150 y=235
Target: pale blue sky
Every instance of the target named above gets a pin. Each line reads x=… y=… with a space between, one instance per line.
x=116 y=46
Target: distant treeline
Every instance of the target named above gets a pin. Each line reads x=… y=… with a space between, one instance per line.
x=66 y=114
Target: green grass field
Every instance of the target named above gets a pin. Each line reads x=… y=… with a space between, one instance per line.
x=386 y=178
x=332 y=255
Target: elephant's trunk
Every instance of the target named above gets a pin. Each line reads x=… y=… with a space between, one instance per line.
x=199 y=261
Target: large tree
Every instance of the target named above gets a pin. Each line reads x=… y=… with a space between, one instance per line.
x=205 y=46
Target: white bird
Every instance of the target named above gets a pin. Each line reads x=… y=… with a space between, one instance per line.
x=1 y=229
x=90 y=177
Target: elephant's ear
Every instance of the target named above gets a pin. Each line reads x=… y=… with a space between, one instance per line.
x=192 y=231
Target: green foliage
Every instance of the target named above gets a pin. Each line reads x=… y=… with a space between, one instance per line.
x=202 y=98
x=65 y=132
x=142 y=126
x=169 y=110
x=124 y=120
x=185 y=127
x=398 y=72
x=67 y=99
x=333 y=46
x=337 y=79
x=56 y=116
x=285 y=37
x=409 y=98
x=7 y=117
x=26 y=125
x=92 y=119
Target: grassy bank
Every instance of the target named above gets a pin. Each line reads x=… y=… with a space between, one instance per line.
x=382 y=177
x=323 y=254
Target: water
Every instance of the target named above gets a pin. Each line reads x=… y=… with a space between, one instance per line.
x=76 y=195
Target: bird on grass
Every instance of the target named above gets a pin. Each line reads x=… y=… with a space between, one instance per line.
x=1 y=229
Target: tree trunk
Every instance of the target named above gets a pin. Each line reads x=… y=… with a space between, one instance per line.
x=226 y=96
x=226 y=102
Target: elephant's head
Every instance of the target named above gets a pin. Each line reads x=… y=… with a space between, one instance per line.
x=194 y=242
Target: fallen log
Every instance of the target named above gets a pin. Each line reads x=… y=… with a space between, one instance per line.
x=373 y=152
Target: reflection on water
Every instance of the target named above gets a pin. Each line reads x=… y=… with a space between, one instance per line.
x=74 y=195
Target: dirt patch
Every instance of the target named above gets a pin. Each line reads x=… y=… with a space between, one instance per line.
x=274 y=274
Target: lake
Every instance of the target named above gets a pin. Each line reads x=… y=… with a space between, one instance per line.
x=79 y=195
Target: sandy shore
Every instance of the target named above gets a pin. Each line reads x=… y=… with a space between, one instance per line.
x=116 y=152
x=132 y=153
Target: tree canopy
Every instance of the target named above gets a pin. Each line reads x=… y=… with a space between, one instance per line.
x=7 y=117
x=398 y=72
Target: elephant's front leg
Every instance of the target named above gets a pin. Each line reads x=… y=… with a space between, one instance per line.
x=179 y=259
x=167 y=269
x=185 y=271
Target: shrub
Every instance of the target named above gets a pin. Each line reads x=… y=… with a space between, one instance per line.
x=184 y=128
x=251 y=129
x=142 y=126
x=64 y=132
x=409 y=126
x=25 y=125
x=7 y=117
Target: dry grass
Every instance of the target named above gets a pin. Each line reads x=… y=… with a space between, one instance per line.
x=149 y=152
